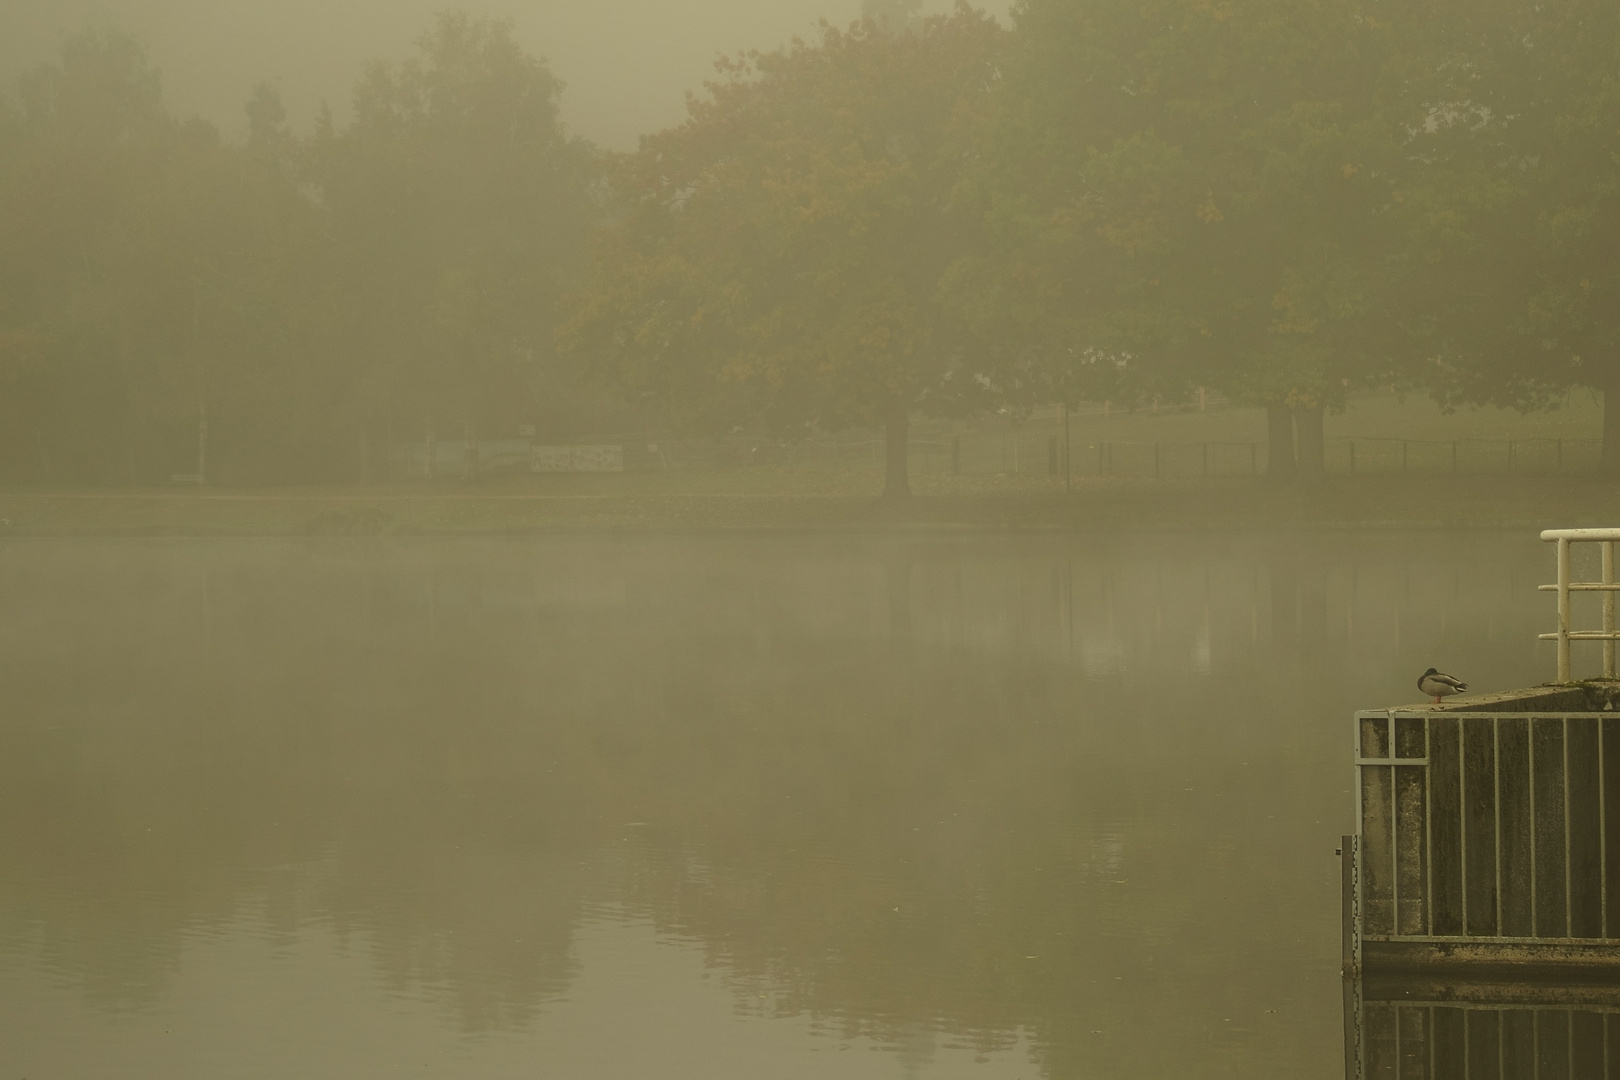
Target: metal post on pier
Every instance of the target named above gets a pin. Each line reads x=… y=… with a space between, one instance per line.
x=1606 y=539
x=1068 y=462
x=1563 y=608
x=1608 y=609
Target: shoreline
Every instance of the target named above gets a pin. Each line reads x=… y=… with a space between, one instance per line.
x=1424 y=504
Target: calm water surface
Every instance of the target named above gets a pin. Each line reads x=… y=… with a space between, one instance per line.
x=715 y=808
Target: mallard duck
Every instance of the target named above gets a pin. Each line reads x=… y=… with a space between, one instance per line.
x=1433 y=682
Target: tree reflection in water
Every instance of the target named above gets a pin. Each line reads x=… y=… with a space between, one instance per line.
x=949 y=795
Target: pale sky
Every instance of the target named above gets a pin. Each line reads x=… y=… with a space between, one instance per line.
x=626 y=63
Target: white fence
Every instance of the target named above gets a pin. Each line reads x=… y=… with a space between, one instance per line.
x=577 y=459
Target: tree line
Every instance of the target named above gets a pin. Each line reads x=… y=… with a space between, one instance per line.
x=282 y=309
x=1282 y=200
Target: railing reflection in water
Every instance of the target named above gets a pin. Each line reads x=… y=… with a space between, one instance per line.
x=1508 y=1032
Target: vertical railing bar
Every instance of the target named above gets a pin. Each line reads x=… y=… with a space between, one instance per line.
x=1398 y=1012
x=1462 y=820
x=1608 y=609
x=1394 y=853
x=1357 y=916
x=1603 y=839
x=1496 y=779
x=1501 y=1044
x=1359 y=829
x=1428 y=1038
x=1466 y=1044
x=1563 y=610
x=1428 y=834
x=1357 y=1060
x=1569 y=847
x=1569 y=1035
x=1394 y=831
x=1530 y=746
x=1535 y=1032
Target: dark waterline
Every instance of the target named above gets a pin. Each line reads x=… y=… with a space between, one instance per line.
x=993 y=807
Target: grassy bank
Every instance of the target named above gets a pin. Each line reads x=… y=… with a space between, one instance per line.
x=1004 y=484
x=1389 y=432
x=629 y=503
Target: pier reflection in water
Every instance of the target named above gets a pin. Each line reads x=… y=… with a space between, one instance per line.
x=989 y=807
x=1449 y=1029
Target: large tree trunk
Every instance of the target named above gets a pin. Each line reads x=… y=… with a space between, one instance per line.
x=896 y=431
x=1312 y=452
x=39 y=446
x=897 y=581
x=202 y=442
x=1610 y=464
x=1280 y=442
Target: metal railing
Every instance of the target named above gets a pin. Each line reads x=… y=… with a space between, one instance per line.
x=1487 y=827
x=1530 y=454
x=1564 y=538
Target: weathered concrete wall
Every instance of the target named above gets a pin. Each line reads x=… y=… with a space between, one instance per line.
x=1574 y=697
x=1484 y=959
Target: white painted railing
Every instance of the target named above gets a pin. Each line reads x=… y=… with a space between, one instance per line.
x=1564 y=635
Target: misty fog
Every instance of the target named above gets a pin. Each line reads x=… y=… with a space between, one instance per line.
x=725 y=539
x=626 y=63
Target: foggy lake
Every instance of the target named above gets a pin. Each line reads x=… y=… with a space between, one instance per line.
x=705 y=807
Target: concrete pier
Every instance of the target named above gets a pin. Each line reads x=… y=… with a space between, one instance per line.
x=1488 y=834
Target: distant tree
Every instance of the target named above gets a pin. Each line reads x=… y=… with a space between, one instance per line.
x=894 y=14
x=1514 y=216
x=25 y=352
x=779 y=258
x=458 y=207
x=147 y=274
x=81 y=138
x=1197 y=186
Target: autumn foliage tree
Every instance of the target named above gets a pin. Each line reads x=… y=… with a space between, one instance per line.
x=1514 y=205
x=780 y=257
x=1114 y=199
x=1195 y=189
